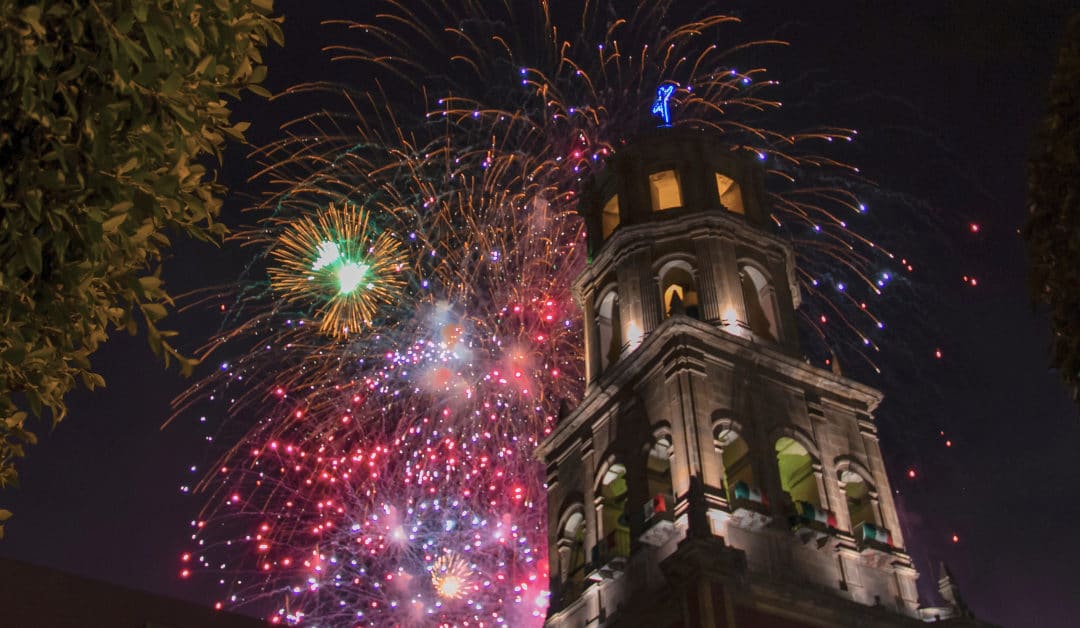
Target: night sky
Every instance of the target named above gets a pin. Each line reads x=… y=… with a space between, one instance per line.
x=945 y=100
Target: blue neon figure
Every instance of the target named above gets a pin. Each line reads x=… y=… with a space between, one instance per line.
x=660 y=107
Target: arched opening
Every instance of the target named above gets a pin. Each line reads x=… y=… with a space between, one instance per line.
x=760 y=299
x=797 y=472
x=679 y=291
x=859 y=503
x=658 y=469
x=614 y=522
x=738 y=471
x=609 y=329
x=609 y=217
x=730 y=194
x=572 y=556
x=664 y=190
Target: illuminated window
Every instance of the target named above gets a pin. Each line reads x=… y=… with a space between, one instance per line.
x=678 y=289
x=664 y=187
x=730 y=194
x=797 y=472
x=671 y=293
x=609 y=219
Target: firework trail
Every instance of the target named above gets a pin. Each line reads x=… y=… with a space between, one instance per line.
x=410 y=334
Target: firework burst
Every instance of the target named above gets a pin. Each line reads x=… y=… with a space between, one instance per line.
x=387 y=476
x=450 y=575
x=337 y=260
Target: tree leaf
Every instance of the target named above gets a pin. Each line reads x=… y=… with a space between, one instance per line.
x=128 y=165
x=112 y=224
x=150 y=283
x=31 y=253
x=154 y=311
x=259 y=90
x=32 y=16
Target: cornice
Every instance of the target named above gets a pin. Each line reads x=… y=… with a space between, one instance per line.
x=689 y=224
x=671 y=338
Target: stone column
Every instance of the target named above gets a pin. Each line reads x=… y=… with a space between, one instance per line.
x=709 y=276
x=843 y=515
x=884 y=507
x=819 y=477
x=631 y=308
x=588 y=462
x=598 y=517
x=680 y=373
x=785 y=294
x=680 y=443
x=592 y=340
x=651 y=305
x=564 y=549
x=875 y=504
x=729 y=281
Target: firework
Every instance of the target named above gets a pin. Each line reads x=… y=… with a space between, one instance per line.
x=416 y=438
x=387 y=476
x=336 y=260
x=450 y=576
x=569 y=85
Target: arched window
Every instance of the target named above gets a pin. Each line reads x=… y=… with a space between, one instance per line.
x=679 y=290
x=860 y=505
x=664 y=189
x=738 y=470
x=797 y=472
x=659 y=472
x=730 y=194
x=760 y=299
x=615 y=525
x=609 y=218
x=572 y=556
x=609 y=329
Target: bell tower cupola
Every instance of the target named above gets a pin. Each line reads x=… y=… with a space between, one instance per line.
x=679 y=224
x=710 y=476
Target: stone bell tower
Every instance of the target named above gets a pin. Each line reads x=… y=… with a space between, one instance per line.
x=711 y=477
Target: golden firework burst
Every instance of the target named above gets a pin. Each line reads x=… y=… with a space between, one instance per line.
x=450 y=575
x=336 y=261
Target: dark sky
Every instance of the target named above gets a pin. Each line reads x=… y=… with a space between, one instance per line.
x=945 y=95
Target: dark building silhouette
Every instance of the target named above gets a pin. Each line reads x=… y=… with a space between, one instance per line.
x=38 y=597
x=711 y=476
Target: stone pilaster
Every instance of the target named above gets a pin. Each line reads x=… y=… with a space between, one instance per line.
x=709 y=277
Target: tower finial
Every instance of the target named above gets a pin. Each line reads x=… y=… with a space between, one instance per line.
x=950 y=592
x=835 y=363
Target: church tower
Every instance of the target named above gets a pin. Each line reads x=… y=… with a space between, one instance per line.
x=710 y=476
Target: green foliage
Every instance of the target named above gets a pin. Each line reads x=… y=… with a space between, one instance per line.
x=106 y=108
x=1053 y=228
